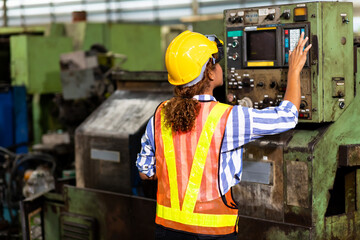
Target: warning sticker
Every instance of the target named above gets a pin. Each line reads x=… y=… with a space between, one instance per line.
x=263 y=12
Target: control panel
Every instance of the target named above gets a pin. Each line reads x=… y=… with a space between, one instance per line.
x=262 y=88
x=258 y=41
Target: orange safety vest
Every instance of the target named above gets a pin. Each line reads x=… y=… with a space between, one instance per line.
x=187 y=166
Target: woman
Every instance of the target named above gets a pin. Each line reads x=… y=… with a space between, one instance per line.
x=193 y=144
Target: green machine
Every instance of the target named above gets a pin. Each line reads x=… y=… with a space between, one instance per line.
x=302 y=184
x=33 y=55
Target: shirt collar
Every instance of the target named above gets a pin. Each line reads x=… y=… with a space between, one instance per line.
x=205 y=98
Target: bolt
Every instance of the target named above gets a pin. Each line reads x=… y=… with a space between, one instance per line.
x=343 y=40
x=345 y=20
x=342 y=105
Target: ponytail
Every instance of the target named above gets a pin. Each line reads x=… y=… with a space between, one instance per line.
x=182 y=110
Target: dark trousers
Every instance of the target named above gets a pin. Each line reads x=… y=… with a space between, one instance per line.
x=162 y=233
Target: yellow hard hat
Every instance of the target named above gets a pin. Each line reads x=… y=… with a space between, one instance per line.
x=186 y=56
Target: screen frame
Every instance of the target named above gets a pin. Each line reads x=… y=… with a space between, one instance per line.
x=250 y=35
x=262 y=63
x=280 y=45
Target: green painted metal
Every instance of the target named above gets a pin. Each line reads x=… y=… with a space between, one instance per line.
x=311 y=155
x=42 y=117
x=86 y=34
x=22 y=30
x=142 y=44
x=342 y=132
x=55 y=30
x=52 y=211
x=302 y=138
x=53 y=206
x=320 y=149
x=35 y=62
x=210 y=27
x=336 y=62
x=277 y=234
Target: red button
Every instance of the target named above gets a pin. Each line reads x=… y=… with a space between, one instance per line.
x=301 y=115
x=286 y=31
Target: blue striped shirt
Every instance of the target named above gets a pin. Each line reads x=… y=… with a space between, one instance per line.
x=243 y=125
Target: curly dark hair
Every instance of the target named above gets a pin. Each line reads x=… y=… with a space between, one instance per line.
x=182 y=110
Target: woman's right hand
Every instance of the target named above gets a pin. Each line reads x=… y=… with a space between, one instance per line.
x=297 y=57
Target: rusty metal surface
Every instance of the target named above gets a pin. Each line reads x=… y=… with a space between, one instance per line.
x=152 y=81
x=259 y=229
x=119 y=216
x=264 y=201
x=31 y=214
x=109 y=129
x=298 y=215
x=142 y=76
x=297 y=182
x=349 y=155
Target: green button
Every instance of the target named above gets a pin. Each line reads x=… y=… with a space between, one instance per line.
x=235 y=33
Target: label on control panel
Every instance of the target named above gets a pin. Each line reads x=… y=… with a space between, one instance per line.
x=235 y=33
x=241 y=13
x=263 y=12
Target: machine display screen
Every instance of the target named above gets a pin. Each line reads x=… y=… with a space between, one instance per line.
x=261 y=45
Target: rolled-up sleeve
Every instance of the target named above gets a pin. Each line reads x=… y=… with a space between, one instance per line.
x=146 y=158
x=247 y=124
x=273 y=120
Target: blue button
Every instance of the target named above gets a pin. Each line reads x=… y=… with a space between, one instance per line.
x=286 y=42
x=286 y=57
x=302 y=30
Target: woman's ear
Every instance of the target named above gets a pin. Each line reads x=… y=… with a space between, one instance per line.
x=211 y=75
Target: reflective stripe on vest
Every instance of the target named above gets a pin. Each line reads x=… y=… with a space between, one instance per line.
x=186 y=214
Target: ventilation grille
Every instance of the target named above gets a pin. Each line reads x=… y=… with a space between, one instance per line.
x=77 y=227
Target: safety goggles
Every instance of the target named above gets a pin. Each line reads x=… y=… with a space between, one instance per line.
x=220 y=54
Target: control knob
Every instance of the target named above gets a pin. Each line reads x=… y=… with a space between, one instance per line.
x=246 y=102
x=267 y=102
x=260 y=84
x=270 y=17
x=303 y=104
x=235 y=56
x=246 y=82
x=273 y=84
x=235 y=43
x=231 y=98
x=233 y=19
x=230 y=76
x=285 y=15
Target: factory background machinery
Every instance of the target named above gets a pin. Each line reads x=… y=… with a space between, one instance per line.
x=302 y=184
